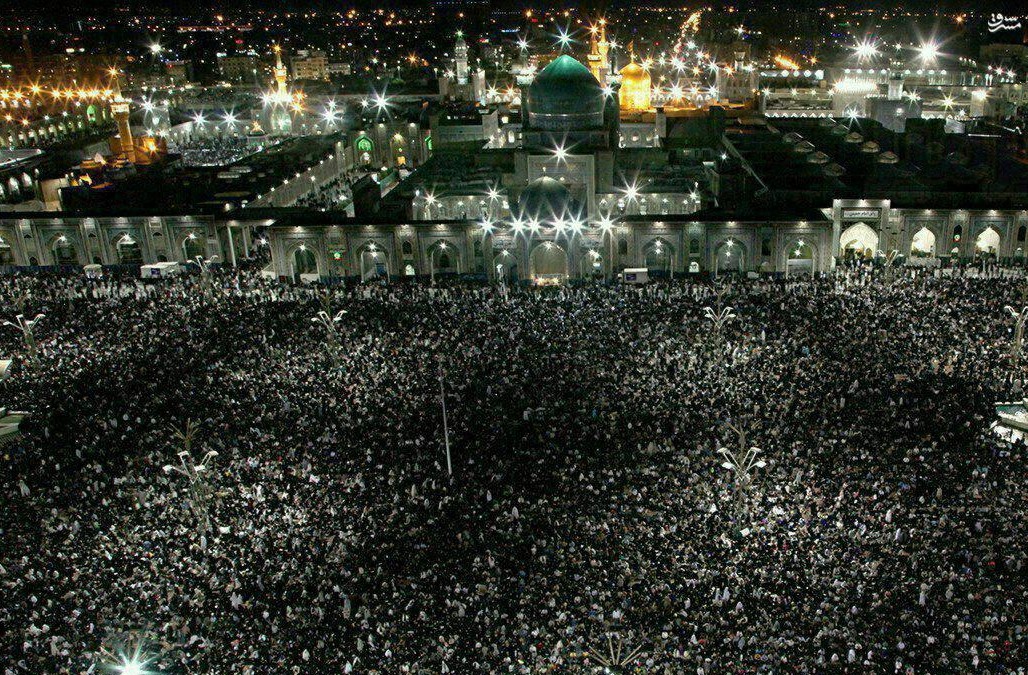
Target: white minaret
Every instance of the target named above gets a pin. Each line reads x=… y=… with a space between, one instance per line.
x=461 y=53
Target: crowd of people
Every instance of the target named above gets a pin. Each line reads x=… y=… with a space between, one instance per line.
x=335 y=194
x=589 y=517
x=215 y=150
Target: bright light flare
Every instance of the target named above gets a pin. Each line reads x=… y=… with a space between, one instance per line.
x=866 y=49
x=564 y=39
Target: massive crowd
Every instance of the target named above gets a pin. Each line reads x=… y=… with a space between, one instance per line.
x=215 y=150
x=335 y=194
x=588 y=509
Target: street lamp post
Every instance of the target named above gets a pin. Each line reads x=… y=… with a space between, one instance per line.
x=196 y=473
x=27 y=328
x=606 y=226
x=890 y=258
x=618 y=655
x=446 y=424
x=1018 y=343
x=206 y=266
x=331 y=325
x=743 y=462
x=720 y=317
x=129 y=658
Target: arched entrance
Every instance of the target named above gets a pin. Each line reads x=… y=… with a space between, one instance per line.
x=192 y=246
x=443 y=259
x=858 y=242
x=304 y=262
x=800 y=259
x=730 y=257
x=505 y=265
x=365 y=149
x=64 y=251
x=923 y=244
x=591 y=264
x=6 y=253
x=548 y=263
x=373 y=263
x=987 y=244
x=128 y=250
x=659 y=257
x=398 y=146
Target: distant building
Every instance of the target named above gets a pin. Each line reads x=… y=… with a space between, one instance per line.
x=1004 y=55
x=337 y=69
x=178 y=72
x=309 y=65
x=238 y=69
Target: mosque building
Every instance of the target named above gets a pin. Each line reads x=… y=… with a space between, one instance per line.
x=567 y=191
x=583 y=171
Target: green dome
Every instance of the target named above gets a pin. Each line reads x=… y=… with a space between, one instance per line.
x=565 y=95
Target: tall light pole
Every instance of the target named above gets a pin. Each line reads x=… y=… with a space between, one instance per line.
x=446 y=424
x=617 y=656
x=719 y=318
x=331 y=325
x=1018 y=343
x=196 y=473
x=890 y=259
x=206 y=266
x=131 y=658
x=743 y=462
x=27 y=328
x=431 y=260
x=606 y=226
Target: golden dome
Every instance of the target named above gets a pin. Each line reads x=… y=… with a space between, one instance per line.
x=635 y=87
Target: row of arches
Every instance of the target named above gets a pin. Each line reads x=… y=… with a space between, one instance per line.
x=547 y=260
x=17 y=188
x=860 y=241
x=66 y=250
x=364 y=150
x=54 y=130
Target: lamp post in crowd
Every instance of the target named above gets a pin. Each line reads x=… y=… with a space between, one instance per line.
x=446 y=424
x=1018 y=343
x=889 y=261
x=617 y=655
x=719 y=318
x=129 y=658
x=331 y=326
x=742 y=462
x=196 y=473
x=206 y=266
x=27 y=328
